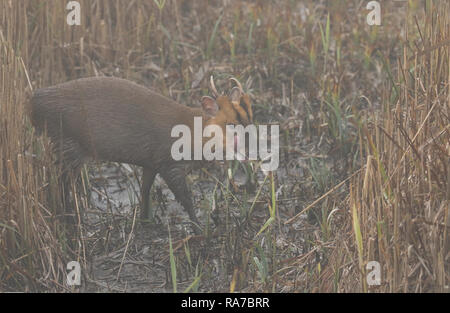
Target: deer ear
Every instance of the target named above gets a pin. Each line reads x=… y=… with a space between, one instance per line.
x=235 y=95
x=209 y=106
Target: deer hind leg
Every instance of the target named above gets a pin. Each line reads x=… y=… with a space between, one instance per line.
x=70 y=159
x=148 y=177
x=175 y=178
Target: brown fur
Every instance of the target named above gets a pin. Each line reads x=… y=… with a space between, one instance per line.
x=117 y=120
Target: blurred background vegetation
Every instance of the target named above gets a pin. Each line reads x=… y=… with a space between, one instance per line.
x=364 y=166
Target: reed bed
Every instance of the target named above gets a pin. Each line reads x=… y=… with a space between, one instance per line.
x=364 y=115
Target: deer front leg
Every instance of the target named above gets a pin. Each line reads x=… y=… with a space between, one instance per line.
x=147 y=181
x=175 y=178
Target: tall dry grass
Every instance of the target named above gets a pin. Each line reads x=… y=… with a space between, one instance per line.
x=401 y=197
x=31 y=247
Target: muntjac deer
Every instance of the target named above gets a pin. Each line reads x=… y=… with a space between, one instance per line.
x=113 y=119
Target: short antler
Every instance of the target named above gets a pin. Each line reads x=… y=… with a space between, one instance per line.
x=213 y=87
x=238 y=84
